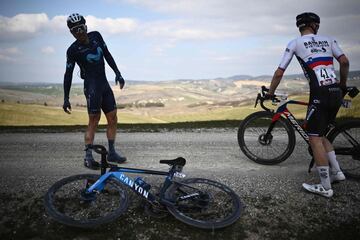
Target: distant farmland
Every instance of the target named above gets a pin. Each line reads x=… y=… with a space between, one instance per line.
x=151 y=102
x=15 y=114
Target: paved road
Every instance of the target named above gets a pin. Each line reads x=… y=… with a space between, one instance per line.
x=276 y=206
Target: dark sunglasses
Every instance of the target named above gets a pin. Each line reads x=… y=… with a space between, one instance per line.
x=79 y=29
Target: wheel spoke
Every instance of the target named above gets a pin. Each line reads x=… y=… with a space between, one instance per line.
x=68 y=203
x=261 y=148
x=211 y=205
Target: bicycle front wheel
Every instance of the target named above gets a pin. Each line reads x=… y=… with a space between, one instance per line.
x=203 y=203
x=68 y=203
x=346 y=142
x=266 y=149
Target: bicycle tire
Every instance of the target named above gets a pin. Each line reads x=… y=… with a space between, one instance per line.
x=256 y=125
x=349 y=164
x=88 y=210
x=187 y=210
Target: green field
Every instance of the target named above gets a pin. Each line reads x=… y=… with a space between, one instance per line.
x=15 y=114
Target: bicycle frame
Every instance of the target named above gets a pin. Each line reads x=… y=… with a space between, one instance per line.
x=118 y=174
x=283 y=110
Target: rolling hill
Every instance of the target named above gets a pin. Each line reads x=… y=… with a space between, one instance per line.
x=151 y=102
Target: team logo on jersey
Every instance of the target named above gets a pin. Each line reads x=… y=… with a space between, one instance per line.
x=317 y=50
x=316 y=44
x=92 y=58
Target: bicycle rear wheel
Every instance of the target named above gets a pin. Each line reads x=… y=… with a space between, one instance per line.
x=204 y=203
x=346 y=142
x=263 y=149
x=67 y=202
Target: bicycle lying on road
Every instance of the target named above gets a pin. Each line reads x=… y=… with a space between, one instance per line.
x=89 y=200
x=268 y=137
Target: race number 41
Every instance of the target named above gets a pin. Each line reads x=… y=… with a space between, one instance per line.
x=325 y=76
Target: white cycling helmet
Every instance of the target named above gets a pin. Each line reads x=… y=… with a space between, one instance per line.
x=75 y=19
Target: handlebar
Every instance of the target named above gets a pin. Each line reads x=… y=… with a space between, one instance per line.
x=352 y=91
x=261 y=98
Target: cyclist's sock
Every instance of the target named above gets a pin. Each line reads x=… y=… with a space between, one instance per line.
x=333 y=162
x=324 y=176
x=88 y=152
x=111 y=146
x=114 y=156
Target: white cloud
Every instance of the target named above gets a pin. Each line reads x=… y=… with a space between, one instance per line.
x=58 y=23
x=250 y=10
x=48 y=50
x=9 y=54
x=111 y=25
x=160 y=50
x=257 y=17
x=28 y=23
x=177 y=30
x=22 y=26
x=26 y=26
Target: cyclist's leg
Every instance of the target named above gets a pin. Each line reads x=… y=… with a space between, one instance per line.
x=94 y=112
x=321 y=160
x=326 y=104
x=335 y=171
x=334 y=164
x=109 y=108
x=91 y=128
x=316 y=127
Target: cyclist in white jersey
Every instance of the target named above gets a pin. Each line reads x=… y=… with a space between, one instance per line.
x=315 y=54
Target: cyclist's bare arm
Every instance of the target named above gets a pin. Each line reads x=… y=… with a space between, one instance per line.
x=344 y=69
x=276 y=80
x=285 y=61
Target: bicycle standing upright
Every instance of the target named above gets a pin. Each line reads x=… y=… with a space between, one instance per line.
x=268 y=137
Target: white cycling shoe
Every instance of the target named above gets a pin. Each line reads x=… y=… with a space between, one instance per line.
x=318 y=189
x=337 y=177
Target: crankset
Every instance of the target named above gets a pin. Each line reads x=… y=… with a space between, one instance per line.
x=155 y=209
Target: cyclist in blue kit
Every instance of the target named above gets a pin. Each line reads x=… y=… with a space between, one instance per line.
x=89 y=51
x=315 y=54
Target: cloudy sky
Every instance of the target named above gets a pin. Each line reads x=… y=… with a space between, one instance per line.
x=168 y=39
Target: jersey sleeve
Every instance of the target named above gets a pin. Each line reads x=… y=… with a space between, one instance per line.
x=101 y=40
x=108 y=57
x=337 y=52
x=288 y=55
x=70 y=64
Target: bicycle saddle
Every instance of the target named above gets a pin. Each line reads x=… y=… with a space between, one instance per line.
x=180 y=161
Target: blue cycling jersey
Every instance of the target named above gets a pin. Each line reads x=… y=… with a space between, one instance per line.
x=90 y=59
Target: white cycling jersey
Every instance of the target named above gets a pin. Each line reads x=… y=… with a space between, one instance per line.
x=315 y=54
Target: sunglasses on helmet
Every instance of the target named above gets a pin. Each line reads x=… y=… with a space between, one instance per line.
x=79 y=28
